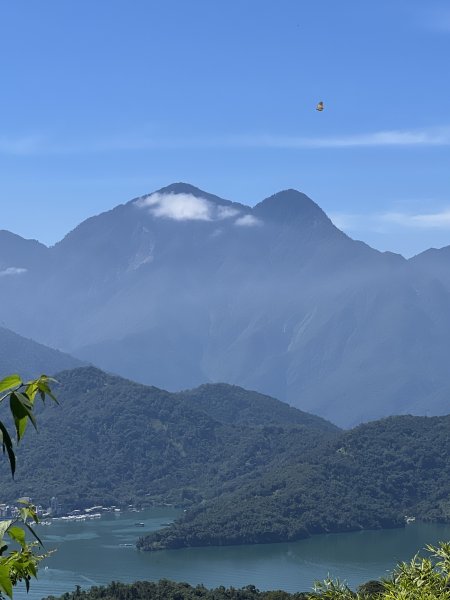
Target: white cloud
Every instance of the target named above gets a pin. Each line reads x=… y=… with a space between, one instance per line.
x=226 y=212
x=180 y=207
x=247 y=221
x=438 y=220
x=33 y=145
x=413 y=137
x=12 y=271
x=347 y=221
x=392 y=220
x=185 y=207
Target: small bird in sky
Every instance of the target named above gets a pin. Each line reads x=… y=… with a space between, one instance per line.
x=319 y=106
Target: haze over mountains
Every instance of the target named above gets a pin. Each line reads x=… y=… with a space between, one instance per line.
x=180 y=288
x=30 y=359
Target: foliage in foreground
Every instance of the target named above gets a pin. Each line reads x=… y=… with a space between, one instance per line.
x=19 y=564
x=421 y=579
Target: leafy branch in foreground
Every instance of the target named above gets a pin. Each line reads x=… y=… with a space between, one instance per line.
x=20 y=564
x=420 y=579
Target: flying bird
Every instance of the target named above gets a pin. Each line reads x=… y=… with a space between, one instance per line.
x=319 y=106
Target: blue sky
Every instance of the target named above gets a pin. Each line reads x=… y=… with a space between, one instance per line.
x=105 y=100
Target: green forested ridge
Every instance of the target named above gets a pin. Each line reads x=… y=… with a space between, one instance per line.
x=119 y=442
x=369 y=477
x=235 y=405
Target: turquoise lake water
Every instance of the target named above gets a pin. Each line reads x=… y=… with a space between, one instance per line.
x=89 y=553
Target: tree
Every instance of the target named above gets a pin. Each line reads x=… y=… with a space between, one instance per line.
x=20 y=564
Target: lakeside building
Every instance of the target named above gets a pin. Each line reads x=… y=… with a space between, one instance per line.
x=55 y=508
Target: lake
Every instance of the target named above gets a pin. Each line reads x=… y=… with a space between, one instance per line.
x=89 y=553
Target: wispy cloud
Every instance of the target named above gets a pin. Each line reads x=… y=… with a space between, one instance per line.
x=436 y=136
x=438 y=220
x=247 y=221
x=414 y=137
x=227 y=212
x=11 y=271
x=388 y=221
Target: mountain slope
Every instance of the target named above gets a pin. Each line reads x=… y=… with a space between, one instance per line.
x=114 y=441
x=369 y=477
x=19 y=253
x=237 y=406
x=180 y=287
x=30 y=359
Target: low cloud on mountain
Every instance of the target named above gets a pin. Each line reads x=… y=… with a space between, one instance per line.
x=185 y=207
x=248 y=221
x=12 y=271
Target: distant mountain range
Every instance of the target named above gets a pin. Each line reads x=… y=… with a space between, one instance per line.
x=180 y=288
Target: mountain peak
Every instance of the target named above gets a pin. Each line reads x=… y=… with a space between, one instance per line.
x=182 y=188
x=292 y=206
x=191 y=190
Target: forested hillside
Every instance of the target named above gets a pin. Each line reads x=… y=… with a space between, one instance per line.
x=237 y=406
x=369 y=477
x=118 y=442
x=114 y=441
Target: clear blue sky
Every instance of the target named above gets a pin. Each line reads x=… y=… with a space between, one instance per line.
x=105 y=100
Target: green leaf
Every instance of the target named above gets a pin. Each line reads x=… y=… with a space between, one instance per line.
x=32 y=569
x=10 y=382
x=28 y=512
x=18 y=535
x=21 y=409
x=6 y=442
x=31 y=390
x=4 y=527
x=28 y=406
x=5 y=581
x=41 y=385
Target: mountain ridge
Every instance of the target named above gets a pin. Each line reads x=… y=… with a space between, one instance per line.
x=240 y=483
x=178 y=288
x=30 y=359
x=151 y=446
